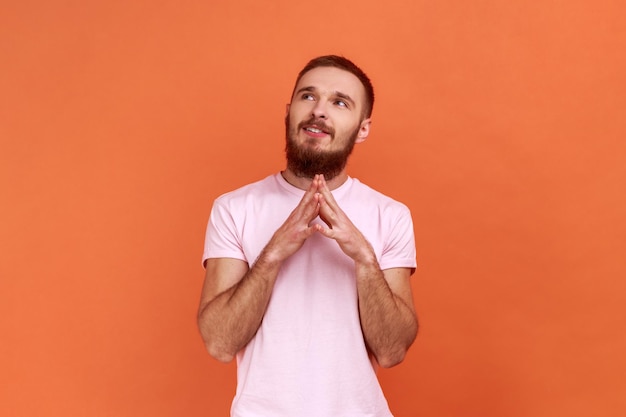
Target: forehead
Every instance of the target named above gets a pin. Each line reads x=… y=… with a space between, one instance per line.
x=329 y=80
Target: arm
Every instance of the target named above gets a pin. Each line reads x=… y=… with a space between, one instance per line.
x=234 y=298
x=386 y=307
x=387 y=313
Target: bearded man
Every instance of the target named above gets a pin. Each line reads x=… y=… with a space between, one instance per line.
x=308 y=271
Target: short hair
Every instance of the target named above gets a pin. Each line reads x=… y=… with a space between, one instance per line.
x=346 y=65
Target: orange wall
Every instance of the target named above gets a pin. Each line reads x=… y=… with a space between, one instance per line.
x=501 y=124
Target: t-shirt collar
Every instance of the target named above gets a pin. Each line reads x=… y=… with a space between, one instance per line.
x=337 y=192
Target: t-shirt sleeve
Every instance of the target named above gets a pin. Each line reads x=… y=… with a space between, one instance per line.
x=222 y=239
x=399 y=250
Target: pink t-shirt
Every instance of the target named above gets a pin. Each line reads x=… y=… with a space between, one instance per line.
x=308 y=358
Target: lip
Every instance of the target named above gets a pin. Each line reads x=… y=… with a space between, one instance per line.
x=317 y=125
x=322 y=132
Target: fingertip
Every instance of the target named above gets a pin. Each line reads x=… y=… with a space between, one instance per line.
x=313 y=229
x=323 y=230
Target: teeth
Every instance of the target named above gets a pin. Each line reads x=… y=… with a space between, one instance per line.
x=313 y=130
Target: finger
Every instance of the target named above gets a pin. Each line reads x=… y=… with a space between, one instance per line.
x=311 y=210
x=325 y=191
x=310 y=192
x=326 y=212
x=308 y=231
x=325 y=231
x=308 y=197
x=308 y=208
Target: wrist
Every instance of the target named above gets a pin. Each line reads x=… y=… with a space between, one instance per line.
x=367 y=259
x=270 y=257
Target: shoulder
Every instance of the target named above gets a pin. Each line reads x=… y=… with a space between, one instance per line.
x=248 y=191
x=365 y=194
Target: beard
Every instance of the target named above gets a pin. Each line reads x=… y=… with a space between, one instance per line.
x=307 y=162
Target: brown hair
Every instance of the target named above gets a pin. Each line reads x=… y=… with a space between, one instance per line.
x=346 y=65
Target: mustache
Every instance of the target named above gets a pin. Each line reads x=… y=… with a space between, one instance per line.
x=318 y=124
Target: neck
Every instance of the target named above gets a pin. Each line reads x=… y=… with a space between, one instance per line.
x=303 y=183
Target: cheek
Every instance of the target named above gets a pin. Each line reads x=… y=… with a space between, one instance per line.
x=348 y=127
x=295 y=114
x=293 y=122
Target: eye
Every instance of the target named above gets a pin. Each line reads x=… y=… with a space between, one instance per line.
x=307 y=96
x=341 y=103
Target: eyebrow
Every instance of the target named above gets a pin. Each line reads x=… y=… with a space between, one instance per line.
x=336 y=93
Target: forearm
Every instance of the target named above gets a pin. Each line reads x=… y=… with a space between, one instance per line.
x=389 y=325
x=229 y=321
x=229 y=316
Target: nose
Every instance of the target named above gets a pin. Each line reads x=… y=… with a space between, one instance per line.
x=319 y=110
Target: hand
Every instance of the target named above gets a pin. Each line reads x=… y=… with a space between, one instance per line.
x=340 y=228
x=290 y=236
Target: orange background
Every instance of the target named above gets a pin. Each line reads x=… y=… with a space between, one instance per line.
x=502 y=125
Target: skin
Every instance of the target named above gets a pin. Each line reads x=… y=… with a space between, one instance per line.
x=235 y=296
x=335 y=97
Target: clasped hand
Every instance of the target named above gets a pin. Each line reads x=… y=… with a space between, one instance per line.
x=319 y=201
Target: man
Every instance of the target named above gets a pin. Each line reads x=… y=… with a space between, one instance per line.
x=308 y=271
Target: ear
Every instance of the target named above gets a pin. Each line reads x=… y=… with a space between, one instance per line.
x=364 y=130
